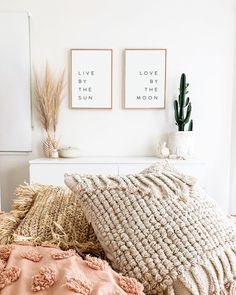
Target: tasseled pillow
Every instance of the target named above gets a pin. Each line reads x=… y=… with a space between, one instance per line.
x=160 y=228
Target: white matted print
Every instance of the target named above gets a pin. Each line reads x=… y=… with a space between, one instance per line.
x=91 y=78
x=145 y=78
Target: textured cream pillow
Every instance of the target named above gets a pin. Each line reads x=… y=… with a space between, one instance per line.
x=49 y=214
x=161 y=229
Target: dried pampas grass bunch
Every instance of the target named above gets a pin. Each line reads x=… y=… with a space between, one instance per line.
x=49 y=95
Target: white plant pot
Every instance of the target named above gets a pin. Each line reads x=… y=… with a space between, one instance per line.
x=181 y=143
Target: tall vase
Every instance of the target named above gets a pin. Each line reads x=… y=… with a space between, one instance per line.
x=181 y=144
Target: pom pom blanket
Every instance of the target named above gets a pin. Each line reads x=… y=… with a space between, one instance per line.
x=48 y=270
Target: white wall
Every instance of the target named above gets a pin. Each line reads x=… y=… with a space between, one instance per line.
x=233 y=144
x=233 y=162
x=199 y=36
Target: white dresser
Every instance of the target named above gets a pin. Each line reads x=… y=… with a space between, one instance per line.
x=51 y=171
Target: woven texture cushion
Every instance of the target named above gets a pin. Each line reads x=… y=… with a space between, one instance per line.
x=160 y=228
x=49 y=214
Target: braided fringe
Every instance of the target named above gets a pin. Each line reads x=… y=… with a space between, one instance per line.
x=170 y=182
x=25 y=197
x=167 y=169
x=216 y=276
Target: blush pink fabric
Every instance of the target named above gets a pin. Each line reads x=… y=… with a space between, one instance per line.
x=47 y=270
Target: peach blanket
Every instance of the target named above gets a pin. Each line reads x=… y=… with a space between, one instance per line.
x=47 y=270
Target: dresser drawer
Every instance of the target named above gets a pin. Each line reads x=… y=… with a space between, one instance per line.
x=125 y=169
x=51 y=171
x=54 y=174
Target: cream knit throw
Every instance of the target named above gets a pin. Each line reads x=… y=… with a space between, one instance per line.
x=161 y=229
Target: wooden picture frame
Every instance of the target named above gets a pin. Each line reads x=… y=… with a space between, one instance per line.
x=145 y=78
x=90 y=78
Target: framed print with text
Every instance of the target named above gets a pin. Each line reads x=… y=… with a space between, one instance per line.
x=145 y=78
x=91 y=78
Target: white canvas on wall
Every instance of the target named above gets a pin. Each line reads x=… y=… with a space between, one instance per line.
x=145 y=78
x=15 y=77
x=91 y=78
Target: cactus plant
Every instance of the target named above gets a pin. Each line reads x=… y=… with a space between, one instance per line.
x=182 y=116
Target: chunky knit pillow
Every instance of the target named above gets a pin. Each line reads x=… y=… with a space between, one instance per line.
x=49 y=214
x=161 y=229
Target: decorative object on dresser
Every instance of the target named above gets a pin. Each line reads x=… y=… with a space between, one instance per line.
x=163 y=151
x=54 y=154
x=145 y=78
x=160 y=228
x=69 y=152
x=48 y=92
x=91 y=78
x=182 y=142
x=49 y=214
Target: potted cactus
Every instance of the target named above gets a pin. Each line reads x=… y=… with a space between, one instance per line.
x=181 y=142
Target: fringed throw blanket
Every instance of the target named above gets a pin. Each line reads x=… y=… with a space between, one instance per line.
x=160 y=228
x=26 y=270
